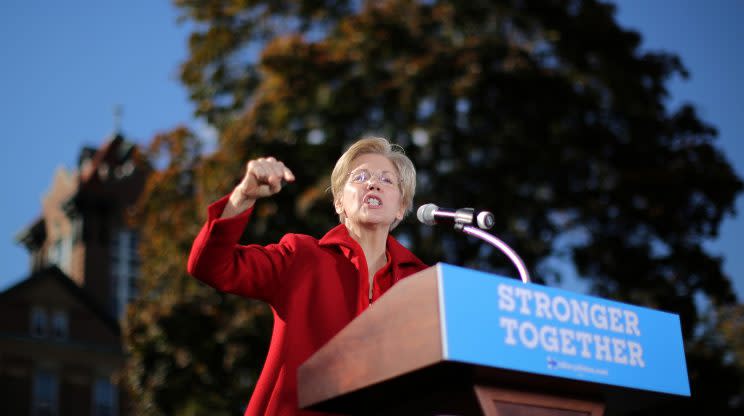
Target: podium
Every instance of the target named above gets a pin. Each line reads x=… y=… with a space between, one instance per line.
x=454 y=341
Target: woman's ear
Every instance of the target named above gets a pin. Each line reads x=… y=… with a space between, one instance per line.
x=399 y=215
x=339 y=206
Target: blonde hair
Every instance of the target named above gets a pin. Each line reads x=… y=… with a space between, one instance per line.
x=381 y=146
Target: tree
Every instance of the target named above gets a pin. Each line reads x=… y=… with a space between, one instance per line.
x=546 y=113
x=191 y=351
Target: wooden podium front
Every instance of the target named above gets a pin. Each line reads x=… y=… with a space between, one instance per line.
x=395 y=359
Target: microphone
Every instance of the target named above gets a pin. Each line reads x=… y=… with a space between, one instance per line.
x=431 y=214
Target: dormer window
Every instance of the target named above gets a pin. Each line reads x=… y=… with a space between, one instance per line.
x=127 y=168
x=39 y=323
x=103 y=171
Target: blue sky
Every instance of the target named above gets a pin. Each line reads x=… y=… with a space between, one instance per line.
x=67 y=65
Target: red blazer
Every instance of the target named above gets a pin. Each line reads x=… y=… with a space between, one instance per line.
x=315 y=287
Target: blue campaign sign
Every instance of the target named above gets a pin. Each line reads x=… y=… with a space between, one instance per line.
x=504 y=323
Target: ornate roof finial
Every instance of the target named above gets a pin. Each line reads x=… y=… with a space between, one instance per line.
x=118 y=112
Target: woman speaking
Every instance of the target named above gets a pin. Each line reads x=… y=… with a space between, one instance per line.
x=314 y=286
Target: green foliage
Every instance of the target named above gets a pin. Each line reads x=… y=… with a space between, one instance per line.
x=546 y=113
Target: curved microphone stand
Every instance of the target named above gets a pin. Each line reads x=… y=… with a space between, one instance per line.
x=477 y=232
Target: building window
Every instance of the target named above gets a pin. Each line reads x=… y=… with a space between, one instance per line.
x=39 y=324
x=77 y=228
x=44 y=401
x=104 y=398
x=60 y=325
x=60 y=253
x=124 y=268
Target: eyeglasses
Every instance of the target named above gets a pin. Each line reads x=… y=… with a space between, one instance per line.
x=363 y=175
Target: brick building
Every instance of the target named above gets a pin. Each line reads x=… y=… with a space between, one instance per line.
x=60 y=343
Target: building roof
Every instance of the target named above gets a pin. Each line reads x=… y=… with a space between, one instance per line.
x=101 y=163
x=33 y=235
x=56 y=275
